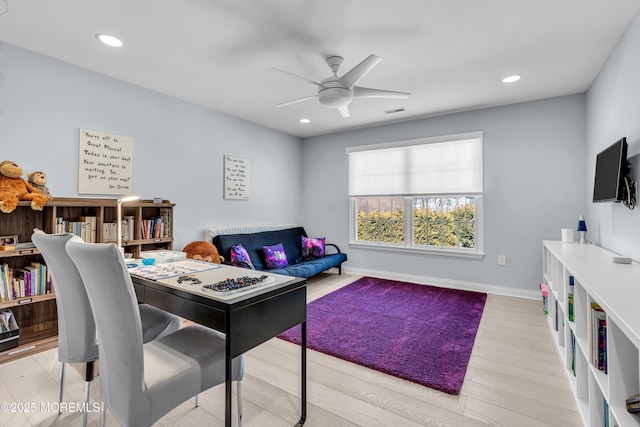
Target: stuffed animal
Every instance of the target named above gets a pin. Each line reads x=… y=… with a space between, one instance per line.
x=203 y=251
x=13 y=189
x=39 y=181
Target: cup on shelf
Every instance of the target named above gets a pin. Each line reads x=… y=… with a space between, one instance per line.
x=568 y=235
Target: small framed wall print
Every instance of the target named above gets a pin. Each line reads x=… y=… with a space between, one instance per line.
x=8 y=240
x=236 y=178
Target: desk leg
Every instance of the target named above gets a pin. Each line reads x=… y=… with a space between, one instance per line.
x=227 y=391
x=303 y=402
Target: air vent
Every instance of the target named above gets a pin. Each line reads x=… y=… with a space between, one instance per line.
x=397 y=110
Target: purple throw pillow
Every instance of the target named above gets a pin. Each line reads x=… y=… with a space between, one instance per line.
x=240 y=256
x=275 y=256
x=312 y=248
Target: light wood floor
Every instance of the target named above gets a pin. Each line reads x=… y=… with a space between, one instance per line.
x=515 y=378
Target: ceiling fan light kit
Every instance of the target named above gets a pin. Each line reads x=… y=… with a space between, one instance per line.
x=338 y=92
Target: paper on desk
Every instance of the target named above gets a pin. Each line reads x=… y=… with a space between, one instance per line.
x=172 y=269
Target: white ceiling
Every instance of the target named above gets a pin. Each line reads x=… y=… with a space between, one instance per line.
x=450 y=54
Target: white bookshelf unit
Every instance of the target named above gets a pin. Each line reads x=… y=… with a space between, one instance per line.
x=600 y=392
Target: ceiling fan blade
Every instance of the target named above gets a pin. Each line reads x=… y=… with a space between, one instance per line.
x=356 y=73
x=365 y=92
x=295 y=101
x=344 y=111
x=296 y=75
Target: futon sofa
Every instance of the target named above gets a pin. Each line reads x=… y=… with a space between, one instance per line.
x=291 y=240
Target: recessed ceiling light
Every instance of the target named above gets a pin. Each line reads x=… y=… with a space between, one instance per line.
x=305 y=121
x=511 y=79
x=110 y=40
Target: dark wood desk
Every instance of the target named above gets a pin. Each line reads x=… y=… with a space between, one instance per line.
x=248 y=318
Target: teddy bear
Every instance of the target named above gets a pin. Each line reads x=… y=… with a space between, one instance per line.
x=203 y=251
x=39 y=181
x=13 y=189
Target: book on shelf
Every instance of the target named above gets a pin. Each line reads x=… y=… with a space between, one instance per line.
x=544 y=289
x=570 y=299
x=602 y=345
x=165 y=214
x=30 y=280
x=573 y=354
x=29 y=275
x=3 y=287
x=599 y=337
x=158 y=227
x=85 y=227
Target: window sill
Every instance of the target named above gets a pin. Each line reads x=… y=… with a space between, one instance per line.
x=457 y=253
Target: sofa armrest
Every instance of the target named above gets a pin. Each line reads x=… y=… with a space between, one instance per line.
x=334 y=245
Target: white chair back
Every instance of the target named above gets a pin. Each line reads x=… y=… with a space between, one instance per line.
x=76 y=327
x=117 y=317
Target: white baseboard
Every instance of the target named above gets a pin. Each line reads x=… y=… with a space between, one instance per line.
x=446 y=283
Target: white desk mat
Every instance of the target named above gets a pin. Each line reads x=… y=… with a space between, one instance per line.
x=222 y=273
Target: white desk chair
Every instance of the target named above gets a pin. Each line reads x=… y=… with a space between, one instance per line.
x=140 y=383
x=76 y=328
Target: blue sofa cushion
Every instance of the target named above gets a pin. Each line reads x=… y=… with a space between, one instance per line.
x=310 y=268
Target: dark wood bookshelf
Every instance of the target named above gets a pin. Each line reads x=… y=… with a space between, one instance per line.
x=36 y=316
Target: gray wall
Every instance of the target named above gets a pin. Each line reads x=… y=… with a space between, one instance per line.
x=613 y=111
x=178 y=147
x=534 y=187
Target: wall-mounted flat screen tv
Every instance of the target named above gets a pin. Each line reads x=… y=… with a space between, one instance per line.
x=611 y=170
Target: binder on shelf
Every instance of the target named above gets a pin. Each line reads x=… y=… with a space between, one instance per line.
x=128 y=227
x=110 y=232
x=90 y=224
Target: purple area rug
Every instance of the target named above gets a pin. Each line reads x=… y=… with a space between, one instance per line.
x=420 y=333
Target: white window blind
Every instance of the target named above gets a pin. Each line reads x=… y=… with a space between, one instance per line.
x=440 y=165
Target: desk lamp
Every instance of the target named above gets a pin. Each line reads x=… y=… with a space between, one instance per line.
x=119 y=203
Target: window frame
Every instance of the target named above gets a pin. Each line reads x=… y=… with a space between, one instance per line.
x=408 y=246
x=360 y=190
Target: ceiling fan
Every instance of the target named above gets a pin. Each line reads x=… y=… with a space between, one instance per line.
x=338 y=92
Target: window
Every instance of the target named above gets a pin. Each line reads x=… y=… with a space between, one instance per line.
x=419 y=195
